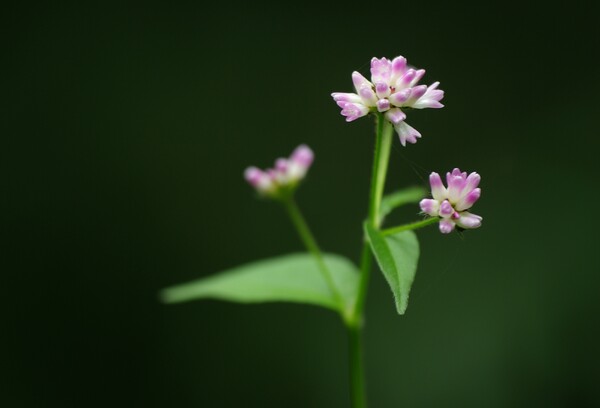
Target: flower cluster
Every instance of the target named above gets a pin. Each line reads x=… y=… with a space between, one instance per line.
x=451 y=204
x=393 y=86
x=285 y=176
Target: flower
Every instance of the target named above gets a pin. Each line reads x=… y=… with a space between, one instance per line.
x=450 y=204
x=393 y=86
x=285 y=175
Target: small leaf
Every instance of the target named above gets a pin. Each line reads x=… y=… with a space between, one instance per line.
x=397 y=256
x=401 y=197
x=288 y=278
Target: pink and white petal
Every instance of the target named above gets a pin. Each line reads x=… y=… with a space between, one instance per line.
x=404 y=81
x=418 y=91
x=434 y=86
x=418 y=75
x=451 y=175
x=400 y=97
x=281 y=164
x=467 y=201
x=280 y=176
x=456 y=184
x=360 y=81
x=303 y=156
x=353 y=111
x=295 y=172
x=382 y=90
x=472 y=182
x=398 y=68
x=368 y=96
x=446 y=226
x=412 y=137
x=430 y=206
x=427 y=104
x=381 y=70
x=406 y=133
x=456 y=172
x=446 y=209
x=469 y=221
x=383 y=105
x=415 y=94
x=266 y=181
x=438 y=191
x=431 y=98
x=253 y=175
x=395 y=115
x=346 y=97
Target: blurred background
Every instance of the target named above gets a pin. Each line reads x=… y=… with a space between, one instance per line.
x=126 y=131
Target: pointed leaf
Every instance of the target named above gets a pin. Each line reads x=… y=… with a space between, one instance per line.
x=401 y=197
x=288 y=278
x=397 y=256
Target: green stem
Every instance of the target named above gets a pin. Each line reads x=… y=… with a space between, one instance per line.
x=357 y=379
x=383 y=144
x=311 y=244
x=366 y=260
x=411 y=226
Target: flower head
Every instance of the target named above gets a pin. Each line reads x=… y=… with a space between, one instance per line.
x=284 y=176
x=451 y=204
x=393 y=85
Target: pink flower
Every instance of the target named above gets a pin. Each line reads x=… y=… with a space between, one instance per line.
x=451 y=204
x=284 y=176
x=393 y=86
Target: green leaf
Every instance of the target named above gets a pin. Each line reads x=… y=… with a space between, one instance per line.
x=401 y=197
x=397 y=256
x=288 y=278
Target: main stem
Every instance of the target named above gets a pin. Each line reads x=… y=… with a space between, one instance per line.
x=357 y=377
x=383 y=144
x=311 y=244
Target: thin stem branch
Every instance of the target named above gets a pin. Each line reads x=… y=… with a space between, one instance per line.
x=311 y=244
x=411 y=226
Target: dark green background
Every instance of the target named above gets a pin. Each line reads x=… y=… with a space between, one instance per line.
x=127 y=128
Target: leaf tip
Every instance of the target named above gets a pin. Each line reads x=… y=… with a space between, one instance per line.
x=165 y=296
x=401 y=309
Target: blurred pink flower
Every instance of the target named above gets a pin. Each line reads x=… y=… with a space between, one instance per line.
x=285 y=175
